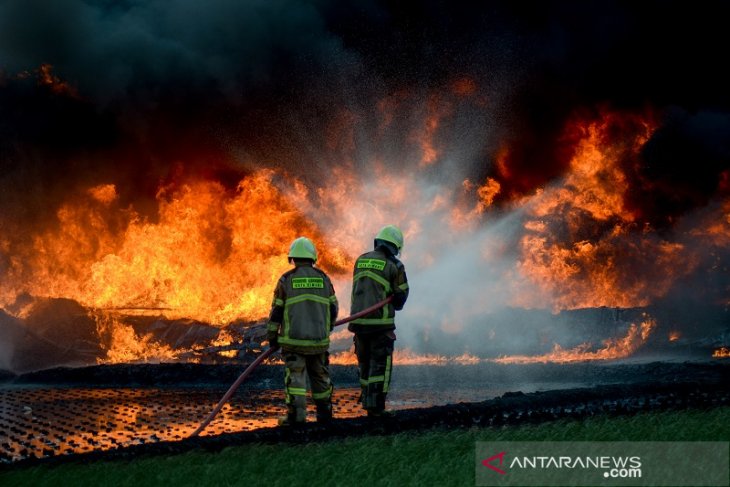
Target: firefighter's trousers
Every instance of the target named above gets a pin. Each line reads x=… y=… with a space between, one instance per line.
x=299 y=367
x=374 y=356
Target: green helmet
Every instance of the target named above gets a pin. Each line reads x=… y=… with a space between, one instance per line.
x=392 y=234
x=303 y=248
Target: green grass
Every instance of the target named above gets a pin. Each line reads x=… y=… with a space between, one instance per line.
x=435 y=457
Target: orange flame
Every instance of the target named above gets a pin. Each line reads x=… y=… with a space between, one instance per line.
x=722 y=352
x=212 y=255
x=437 y=110
x=406 y=356
x=613 y=349
x=572 y=271
x=58 y=86
x=126 y=346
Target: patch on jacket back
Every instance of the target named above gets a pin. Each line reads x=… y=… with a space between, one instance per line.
x=307 y=283
x=371 y=264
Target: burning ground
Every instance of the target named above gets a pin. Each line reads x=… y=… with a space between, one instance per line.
x=561 y=172
x=127 y=411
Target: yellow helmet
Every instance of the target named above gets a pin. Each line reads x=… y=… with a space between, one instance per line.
x=392 y=234
x=303 y=248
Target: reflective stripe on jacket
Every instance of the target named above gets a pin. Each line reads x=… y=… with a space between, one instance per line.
x=304 y=310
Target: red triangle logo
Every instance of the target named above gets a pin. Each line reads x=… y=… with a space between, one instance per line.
x=487 y=463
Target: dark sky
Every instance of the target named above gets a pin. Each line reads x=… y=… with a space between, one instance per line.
x=212 y=89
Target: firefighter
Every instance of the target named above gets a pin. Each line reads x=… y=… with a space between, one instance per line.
x=302 y=315
x=377 y=275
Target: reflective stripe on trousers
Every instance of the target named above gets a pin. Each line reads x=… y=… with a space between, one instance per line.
x=299 y=367
x=374 y=356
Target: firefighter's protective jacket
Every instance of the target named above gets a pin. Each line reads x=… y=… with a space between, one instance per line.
x=304 y=310
x=377 y=275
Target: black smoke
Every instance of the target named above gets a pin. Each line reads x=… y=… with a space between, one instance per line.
x=165 y=90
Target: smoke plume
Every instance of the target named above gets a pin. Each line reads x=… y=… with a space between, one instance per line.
x=552 y=155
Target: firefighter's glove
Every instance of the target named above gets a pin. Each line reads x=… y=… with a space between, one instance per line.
x=273 y=338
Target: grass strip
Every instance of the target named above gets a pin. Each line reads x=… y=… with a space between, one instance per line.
x=432 y=457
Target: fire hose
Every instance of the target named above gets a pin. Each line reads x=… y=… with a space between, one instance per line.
x=264 y=355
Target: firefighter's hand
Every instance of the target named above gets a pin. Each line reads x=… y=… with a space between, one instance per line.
x=273 y=340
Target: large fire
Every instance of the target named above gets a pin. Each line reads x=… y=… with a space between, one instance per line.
x=578 y=245
x=213 y=254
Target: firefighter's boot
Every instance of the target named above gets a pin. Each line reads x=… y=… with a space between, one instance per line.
x=324 y=411
x=294 y=416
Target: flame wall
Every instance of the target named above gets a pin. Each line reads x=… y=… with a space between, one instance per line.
x=553 y=156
